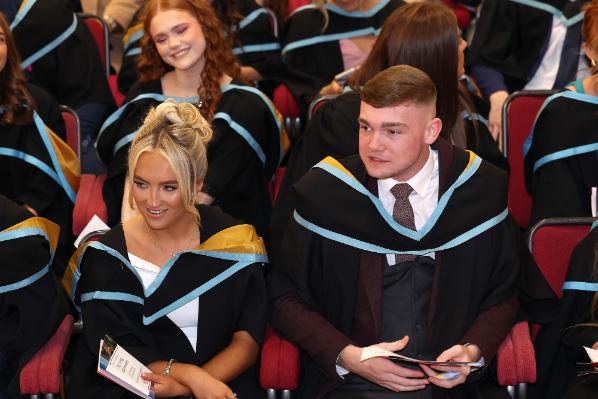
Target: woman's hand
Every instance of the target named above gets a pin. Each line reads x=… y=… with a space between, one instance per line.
x=165 y=386
x=497 y=100
x=203 y=386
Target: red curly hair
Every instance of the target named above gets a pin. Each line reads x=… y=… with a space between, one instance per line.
x=219 y=58
x=14 y=95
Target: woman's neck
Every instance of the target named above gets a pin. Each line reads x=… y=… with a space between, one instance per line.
x=590 y=85
x=182 y=83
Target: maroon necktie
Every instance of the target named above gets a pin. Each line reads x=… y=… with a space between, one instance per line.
x=402 y=213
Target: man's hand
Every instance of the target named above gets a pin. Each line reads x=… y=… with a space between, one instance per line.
x=382 y=371
x=497 y=100
x=457 y=353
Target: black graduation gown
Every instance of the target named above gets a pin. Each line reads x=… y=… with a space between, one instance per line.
x=255 y=46
x=559 y=344
x=238 y=170
x=32 y=303
x=334 y=131
x=560 y=162
x=510 y=36
x=63 y=56
x=312 y=54
x=258 y=47
x=38 y=169
x=228 y=303
x=325 y=243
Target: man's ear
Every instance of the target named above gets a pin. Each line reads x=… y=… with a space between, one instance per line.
x=433 y=130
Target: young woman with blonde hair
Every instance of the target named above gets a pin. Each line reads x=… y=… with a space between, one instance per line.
x=180 y=285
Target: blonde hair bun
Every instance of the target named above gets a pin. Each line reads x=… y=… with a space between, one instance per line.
x=184 y=115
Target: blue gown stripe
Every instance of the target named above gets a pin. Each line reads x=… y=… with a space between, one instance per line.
x=126 y=140
x=22 y=13
x=20 y=233
x=25 y=282
x=133 y=51
x=133 y=38
x=552 y=10
x=570 y=152
x=11 y=152
x=365 y=246
x=43 y=132
x=237 y=257
x=111 y=296
x=442 y=202
x=252 y=16
x=197 y=292
x=565 y=94
x=241 y=131
x=594 y=224
x=257 y=92
x=580 y=286
x=329 y=38
x=52 y=45
x=474 y=116
x=152 y=96
x=254 y=48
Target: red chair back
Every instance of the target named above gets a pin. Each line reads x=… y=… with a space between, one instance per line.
x=551 y=243
x=292 y=5
x=99 y=30
x=72 y=126
x=519 y=113
x=319 y=103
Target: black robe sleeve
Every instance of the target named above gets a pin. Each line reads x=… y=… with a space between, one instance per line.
x=47 y=108
x=559 y=343
x=30 y=315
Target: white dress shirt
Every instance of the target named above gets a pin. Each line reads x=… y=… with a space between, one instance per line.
x=423 y=198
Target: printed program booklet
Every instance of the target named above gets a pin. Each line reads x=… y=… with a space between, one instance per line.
x=120 y=367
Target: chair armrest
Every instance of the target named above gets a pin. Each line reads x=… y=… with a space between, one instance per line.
x=89 y=202
x=42 y=373
x=280 y=363
x=516 y=357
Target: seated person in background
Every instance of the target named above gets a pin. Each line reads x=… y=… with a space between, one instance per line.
x=559 y=345
x=178 y=281
x=38 y=170
x=560 y=155
x=250 y=34
x=70 y=68
x=32 y=303
x=325 y=38
x=409 y=244
x=524 y=45
x=184 y=56
x=424 y=36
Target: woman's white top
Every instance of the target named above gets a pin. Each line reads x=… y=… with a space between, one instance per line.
x=184 y=317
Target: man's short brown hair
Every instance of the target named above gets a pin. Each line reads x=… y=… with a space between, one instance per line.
x=399 y=84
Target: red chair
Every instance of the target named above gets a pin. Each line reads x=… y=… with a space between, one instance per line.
x=551 y=242
x=279 y=370
x=462 y=14
x=318 y=103
x=518 y=115
x=42 y=375
x=72 y=126
x=99 y=30
x=89 y=202
x=292 y=5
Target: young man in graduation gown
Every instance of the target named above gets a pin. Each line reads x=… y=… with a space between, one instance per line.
x=520 y=44
x=407 y=245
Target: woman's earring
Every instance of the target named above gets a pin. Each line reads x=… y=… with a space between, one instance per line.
x=593 y=63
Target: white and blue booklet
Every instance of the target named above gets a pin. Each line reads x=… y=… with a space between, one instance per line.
x=122 y=368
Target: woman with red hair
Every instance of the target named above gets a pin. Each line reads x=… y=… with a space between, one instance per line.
x=186 y=57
